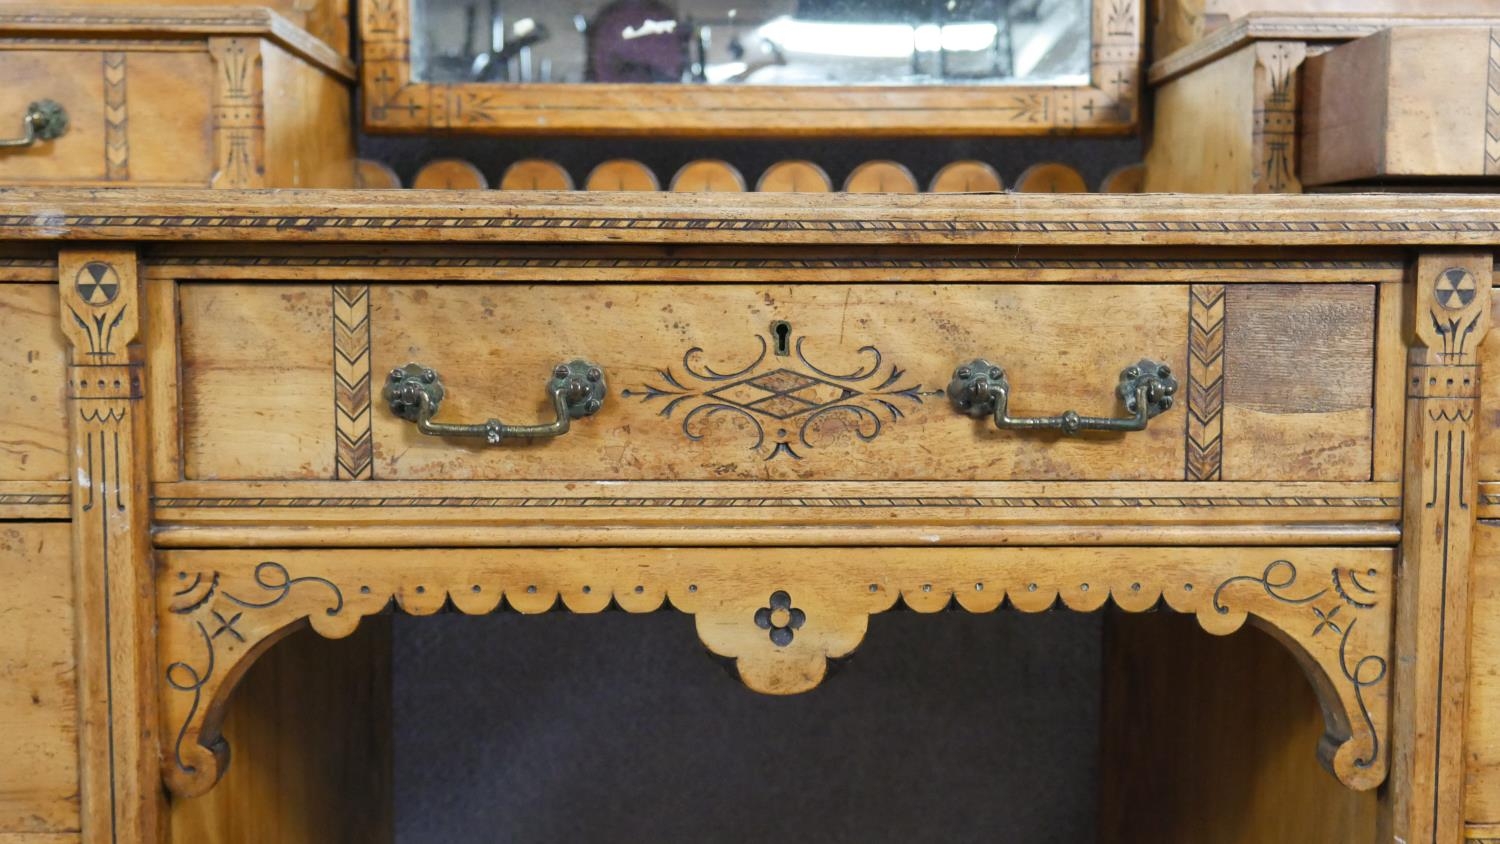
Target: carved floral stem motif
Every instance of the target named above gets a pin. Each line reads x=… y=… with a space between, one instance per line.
x=778 y=616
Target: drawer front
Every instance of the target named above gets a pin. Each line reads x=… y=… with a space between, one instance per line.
x=731 y=382
x=134 y=116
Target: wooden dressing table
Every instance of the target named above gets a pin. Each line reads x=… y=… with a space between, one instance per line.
x=779 y=414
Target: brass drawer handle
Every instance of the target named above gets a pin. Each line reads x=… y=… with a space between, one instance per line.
x=979 y=389
x=414 y=393
x=44 y=120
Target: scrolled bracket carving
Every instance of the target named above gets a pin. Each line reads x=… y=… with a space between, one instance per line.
x=781 y=614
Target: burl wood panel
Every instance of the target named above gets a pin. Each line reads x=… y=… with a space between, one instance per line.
x=38 y=693
x=257 y=368
x=33 y=425
x=136 y=116
x=1299 y=380
x=1170 y=689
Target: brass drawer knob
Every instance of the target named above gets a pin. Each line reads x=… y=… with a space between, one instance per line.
x=44 y=120
x=414 y=393
x=979 y=388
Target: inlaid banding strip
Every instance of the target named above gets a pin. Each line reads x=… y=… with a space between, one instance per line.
x=1205 y=390
x=351 y=381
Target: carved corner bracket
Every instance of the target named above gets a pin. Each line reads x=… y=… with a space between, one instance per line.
x=780 y=614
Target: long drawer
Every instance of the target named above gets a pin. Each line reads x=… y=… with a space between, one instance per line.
x=1273 y=382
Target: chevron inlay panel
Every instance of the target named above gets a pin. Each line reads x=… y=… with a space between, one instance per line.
x=1492 y=109
x=351 y=380
x=1205 y=393
x=116 y=119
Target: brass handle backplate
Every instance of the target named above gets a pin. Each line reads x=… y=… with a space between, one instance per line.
x=979 y=389
x=414 y=393
x=44 y=120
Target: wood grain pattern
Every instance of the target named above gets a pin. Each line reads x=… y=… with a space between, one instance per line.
x=1107 y=104
x=310 y=724
x=1299 y=374
x=965 y=177
x=33 y=428
x=794 y=176
x=701 y=388
x=130 y=76
x=239 y=128
x=1206 y=24
x=112 y=563
x=1482 y=724
x=881 y=177
x=38 y=686
x=1451 y=315
x=373 y=175
x=1050 y=177
x=1006 y=221
x=306 y=143
x=708 y=175
x=1168 y=687
x=621 y=174
x=449 y=174
x=536 y=174
x=239 y=434
x=777 y=618
x=1407 y=102
x=240 y=303
x=1273 y=135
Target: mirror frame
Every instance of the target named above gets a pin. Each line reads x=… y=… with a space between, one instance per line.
x=393 y=103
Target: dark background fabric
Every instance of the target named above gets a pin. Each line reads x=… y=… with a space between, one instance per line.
x=621 y=728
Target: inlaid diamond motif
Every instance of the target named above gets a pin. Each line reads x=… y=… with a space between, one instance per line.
x=782 y=394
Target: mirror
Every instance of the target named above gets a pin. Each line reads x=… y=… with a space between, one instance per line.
x=753 y=42
x=751 y=68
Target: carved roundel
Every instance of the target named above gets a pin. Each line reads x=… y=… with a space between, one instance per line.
x=97 y=283
x=1455 y=288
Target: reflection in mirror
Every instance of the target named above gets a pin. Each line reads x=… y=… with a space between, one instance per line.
x=754 y=42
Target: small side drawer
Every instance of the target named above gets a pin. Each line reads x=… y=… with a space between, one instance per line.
x=1407 y=102
x=742 y=382
x=134 y=116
